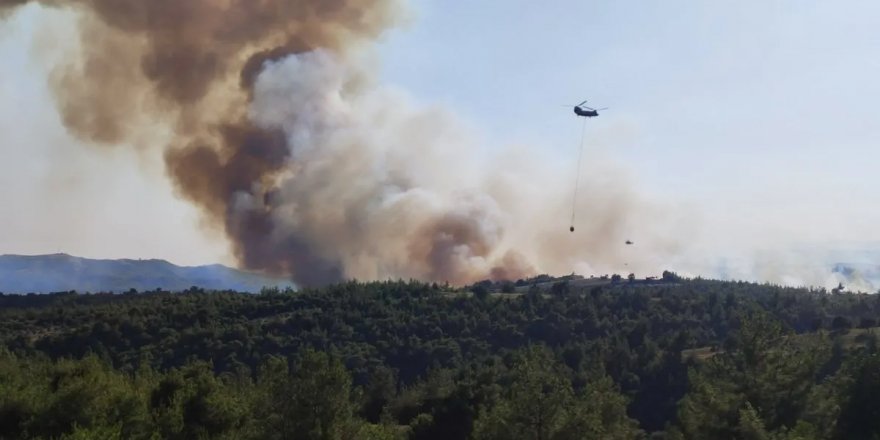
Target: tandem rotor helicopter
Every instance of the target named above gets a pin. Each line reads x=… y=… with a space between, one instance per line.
x=587 y=112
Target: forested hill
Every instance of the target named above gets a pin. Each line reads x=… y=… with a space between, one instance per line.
x=62 y=272
x=672 y=359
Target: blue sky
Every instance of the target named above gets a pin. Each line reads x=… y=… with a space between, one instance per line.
x=760 y=116
x=724 y=93
x=762 y=109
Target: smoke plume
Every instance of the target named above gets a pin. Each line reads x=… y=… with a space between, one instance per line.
x=285 y=141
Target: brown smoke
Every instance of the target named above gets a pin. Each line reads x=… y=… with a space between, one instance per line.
x=167 y=56
x=284 y=141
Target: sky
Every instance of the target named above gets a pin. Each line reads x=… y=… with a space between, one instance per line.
x=765 y=103
x=757 y=118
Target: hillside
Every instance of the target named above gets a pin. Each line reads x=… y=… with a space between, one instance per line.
x=62 y=272
x=434 y=362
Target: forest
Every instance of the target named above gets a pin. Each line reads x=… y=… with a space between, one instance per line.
x=670 y=359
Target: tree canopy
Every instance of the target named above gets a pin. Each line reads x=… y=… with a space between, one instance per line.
x=674 y=358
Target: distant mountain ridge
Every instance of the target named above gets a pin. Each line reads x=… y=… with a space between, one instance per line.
x=62 y=272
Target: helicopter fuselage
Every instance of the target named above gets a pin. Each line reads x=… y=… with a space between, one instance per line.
x=585 y=113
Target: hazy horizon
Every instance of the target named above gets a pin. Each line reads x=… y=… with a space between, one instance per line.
x=742 y=141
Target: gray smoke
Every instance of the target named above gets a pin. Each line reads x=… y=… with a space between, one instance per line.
x=285 y=140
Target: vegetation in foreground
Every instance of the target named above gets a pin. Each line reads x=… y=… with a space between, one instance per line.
x=682 y=359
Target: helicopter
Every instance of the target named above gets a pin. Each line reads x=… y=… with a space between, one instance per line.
x=587 y=112
x=629 y=242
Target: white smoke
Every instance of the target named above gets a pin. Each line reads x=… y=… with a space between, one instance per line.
x=389 y=189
